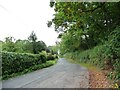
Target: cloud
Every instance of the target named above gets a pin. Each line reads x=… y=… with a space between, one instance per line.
x=3 y=8
x=24 y=16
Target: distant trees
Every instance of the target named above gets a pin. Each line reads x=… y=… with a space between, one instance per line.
x=37 y=46
x=32 y=38
x=53 y=49
x=24 y=46
x=40 y=46
x=8 y=45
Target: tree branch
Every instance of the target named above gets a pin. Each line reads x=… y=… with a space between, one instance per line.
x=94 y=8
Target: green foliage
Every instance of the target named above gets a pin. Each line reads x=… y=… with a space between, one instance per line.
x=21 y=56
x=113 y=44
x=40 y=46
x=23 y=46
x=90 y=33
x=50 y=57
x=112 y=52
x=43 y=57
x=73 y=41
x=8 y=45
x=37 y=46
x=32 y=37
x=53 y=49
x=17 y=62
x=55 y=56
x=105 y=56
x=30 y=69
x=84 y=25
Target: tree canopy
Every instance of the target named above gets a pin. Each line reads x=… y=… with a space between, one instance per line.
x=84 y=24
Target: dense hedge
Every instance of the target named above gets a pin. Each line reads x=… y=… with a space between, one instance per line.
x=99 y=56
x=17 y=62
x=106 y=56
x=51 y=56
x=30 y=69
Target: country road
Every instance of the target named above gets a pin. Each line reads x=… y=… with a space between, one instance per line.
x=61 y=75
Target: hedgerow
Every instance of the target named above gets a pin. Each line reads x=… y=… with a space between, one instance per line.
x=17 y=62
x=106 y=56
x=30 y=69
x=50 y=56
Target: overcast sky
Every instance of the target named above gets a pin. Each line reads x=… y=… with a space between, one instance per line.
x=18 y=18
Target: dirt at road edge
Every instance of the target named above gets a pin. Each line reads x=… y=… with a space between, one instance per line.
x=98 y=79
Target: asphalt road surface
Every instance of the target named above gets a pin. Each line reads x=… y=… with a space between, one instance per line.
x=61 y=75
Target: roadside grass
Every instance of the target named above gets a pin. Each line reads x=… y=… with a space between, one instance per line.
x=87 y=65
x=91 y=67
x=31 y=69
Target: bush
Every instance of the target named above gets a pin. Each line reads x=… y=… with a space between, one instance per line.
x=56 y=56
x=17 y=62
x=43 y=56
x=112 y=52
x=51 y=57
x=32 y=68
x=105 y=56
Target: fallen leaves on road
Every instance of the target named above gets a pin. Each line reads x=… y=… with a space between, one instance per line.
x=98 y=79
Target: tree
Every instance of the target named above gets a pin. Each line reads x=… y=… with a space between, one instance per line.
x=1 y=42
x=90 y=33
x=32 y=38
x=85 y=24
x=23 y=46
x=53 y=49
x=37 y=46
x=9 y=44
x=40 y=46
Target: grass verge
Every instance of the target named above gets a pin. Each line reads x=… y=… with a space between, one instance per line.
x=96 y=75
x=87 y=65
